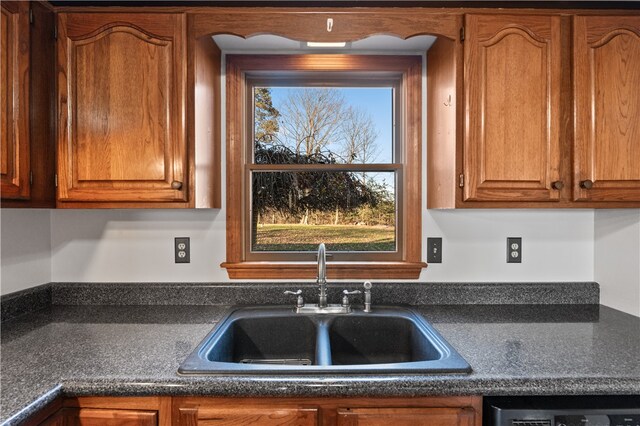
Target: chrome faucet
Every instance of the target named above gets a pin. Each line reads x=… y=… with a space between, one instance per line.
x=323 y=307
x=322 y=276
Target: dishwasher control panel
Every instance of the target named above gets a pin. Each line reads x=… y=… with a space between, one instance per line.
x=602 y=419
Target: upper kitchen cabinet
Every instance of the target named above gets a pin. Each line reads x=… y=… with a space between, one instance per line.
x=606 y=69
x=511 y=124
x=122 y=96
x=512 y=77
x=14 y=116
x=27 y=153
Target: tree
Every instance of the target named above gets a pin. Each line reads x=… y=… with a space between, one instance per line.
x=311 y=119
x=359 y=137
x=300 y=132
x=266 y=124
x=294 y=193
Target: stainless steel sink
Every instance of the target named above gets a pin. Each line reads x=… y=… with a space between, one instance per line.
x=275 y=340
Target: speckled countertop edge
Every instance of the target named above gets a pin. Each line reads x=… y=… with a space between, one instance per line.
x=329 y=386
x=38 y=404
x=352 y=386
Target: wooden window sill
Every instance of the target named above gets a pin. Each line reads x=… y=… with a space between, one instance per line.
x=309 y=270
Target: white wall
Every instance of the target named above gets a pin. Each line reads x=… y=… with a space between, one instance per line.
x=26 y=249
x=617 y=258
x=137 y=245
x=557 y=245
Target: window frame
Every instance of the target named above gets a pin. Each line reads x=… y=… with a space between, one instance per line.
x=243 y=72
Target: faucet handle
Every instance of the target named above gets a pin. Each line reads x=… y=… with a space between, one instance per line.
x=299 y=299
x=345 y=298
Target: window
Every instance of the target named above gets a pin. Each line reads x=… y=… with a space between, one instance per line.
x=307 y=162
x=322 y=169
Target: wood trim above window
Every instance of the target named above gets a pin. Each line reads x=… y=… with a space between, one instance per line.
x=410 y=69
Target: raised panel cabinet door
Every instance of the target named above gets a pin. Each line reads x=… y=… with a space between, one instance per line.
x=512 y=76
x=406 y=416
x=121 y=101
x=606 y=61
x=247 y=415
x=14 y=103
x=102 y=417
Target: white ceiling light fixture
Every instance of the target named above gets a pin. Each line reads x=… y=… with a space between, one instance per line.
x=333 y=44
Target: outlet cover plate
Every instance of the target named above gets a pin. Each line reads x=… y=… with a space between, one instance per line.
x=434 y=250
x=514 y=249
x=182 y=250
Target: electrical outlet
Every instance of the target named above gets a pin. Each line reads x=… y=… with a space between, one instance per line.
x=434 y=250
x=514 y=250
x=182 y=250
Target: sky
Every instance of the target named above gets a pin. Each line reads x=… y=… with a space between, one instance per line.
x=377 y=101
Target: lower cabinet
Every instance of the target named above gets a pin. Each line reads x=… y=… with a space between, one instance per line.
x=407 y=416
x=208 y=411
x=212 y=412
x=102 y=416
x=432 y=411
x=106 y=411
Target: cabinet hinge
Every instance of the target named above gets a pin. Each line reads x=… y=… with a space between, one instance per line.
x=31 y=16
x=461 y=33
x=55 y=32
x=461 y=180
x=55 y=178
x=30 y=178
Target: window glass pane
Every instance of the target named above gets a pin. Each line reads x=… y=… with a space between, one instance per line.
x=314 y=125
x=348 y=211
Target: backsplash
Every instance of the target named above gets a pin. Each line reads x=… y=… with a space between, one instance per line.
x=242 y=293
x=398 y=293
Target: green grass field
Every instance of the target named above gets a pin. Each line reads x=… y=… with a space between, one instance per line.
x=289 y=237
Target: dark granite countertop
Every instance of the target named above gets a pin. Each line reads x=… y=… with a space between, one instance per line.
x=136 y=350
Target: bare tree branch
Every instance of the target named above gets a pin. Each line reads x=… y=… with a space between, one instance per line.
x=311 y=119
x=359 y=137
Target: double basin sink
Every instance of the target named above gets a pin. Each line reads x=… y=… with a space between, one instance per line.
x=276 y=340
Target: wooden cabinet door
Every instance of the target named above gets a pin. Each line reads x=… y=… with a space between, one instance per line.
x=14 y=108
x=101 y=417
x=247 y=415
x=106 y=411
x=606 y=70
x=512 y=108
x=121 y=105
x=406 y=416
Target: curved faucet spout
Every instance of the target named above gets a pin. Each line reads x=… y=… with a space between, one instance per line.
x=322 y=276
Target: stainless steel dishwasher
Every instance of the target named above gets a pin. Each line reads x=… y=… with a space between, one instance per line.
x=622 y=410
